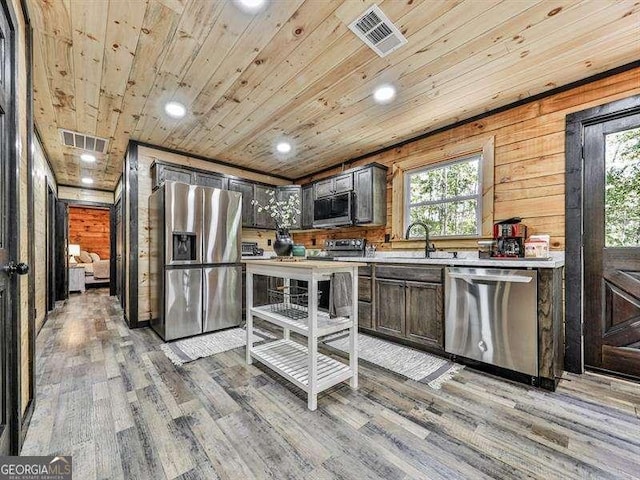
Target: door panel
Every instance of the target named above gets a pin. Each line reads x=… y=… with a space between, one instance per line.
x=183 y=315
x=222 y=226
x=612 y=245
x=8 y=222
x=246 y=189
x=390 y=304
x=425 y=313
x=263 y=218
x=222 y=298
x=119 y=253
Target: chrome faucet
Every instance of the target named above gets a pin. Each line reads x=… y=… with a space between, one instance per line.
x=427 y=249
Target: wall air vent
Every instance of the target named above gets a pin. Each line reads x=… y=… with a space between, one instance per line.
x=376 y=30
x=84 y=142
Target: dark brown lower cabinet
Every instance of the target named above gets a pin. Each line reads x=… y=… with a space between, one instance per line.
x=410 y=310
x=365 y=320
x=424 y=313
x=390 y=307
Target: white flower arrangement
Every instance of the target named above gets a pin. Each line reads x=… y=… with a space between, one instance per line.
x=283 y=212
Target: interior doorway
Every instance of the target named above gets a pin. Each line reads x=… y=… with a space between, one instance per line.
x=89 y=248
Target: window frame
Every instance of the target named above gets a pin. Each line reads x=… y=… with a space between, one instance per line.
x=406 y=207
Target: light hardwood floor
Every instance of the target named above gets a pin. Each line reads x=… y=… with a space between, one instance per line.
x=109 y=397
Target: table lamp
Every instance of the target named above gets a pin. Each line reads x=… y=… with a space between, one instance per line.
x=73 y=251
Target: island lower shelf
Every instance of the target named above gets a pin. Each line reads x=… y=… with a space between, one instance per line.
x=278 y=315
x=291 y=361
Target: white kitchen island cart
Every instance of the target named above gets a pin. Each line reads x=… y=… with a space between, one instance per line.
x=298 y=312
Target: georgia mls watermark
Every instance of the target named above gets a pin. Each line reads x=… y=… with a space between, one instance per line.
x=35 y=468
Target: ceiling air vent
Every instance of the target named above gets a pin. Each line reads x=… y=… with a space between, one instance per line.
x=85 y=142
x=377 y=31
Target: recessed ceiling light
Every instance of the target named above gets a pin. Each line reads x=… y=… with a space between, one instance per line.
x=87 y=180
x=251 y=6
x=87 y=157
x=283 y=147
x=384 y=93
x=175 y=109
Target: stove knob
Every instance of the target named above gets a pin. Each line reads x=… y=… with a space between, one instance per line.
x=358 y=243
x=353 y=242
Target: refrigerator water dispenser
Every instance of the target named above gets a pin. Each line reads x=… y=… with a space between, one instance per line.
x=184 y=246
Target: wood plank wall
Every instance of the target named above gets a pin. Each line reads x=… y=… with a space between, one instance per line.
x=529 y=162
x=84 y=194
x=22 y=146
x=42 y=176
x=89 y=228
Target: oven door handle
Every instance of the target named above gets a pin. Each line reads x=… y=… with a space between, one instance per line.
x=470 y=277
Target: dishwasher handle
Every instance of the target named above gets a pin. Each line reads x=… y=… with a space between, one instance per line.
x=490 y=278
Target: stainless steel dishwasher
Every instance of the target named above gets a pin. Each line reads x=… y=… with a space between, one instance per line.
x=491 y=316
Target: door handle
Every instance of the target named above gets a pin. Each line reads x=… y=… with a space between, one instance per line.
x=20 y=268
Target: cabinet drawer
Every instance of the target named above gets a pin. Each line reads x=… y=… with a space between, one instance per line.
x=412 y=273
x=365 y=271
x=364 y=315
x=364 y=289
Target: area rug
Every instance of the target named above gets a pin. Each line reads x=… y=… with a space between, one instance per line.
x=408 y=362
x=190 y=349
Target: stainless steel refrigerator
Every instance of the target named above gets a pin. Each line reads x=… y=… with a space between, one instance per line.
x=195 y=276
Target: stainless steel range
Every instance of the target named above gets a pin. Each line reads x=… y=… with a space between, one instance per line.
x=344 y=247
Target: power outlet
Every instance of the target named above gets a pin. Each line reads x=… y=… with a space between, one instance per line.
x=268 y=242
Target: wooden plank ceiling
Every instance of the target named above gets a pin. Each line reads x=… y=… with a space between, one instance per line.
x=295 y=70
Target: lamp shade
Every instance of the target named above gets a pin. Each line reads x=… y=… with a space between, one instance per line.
x=74 y=249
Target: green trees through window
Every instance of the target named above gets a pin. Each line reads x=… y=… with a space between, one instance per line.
x=445 y=197
x=622 y=189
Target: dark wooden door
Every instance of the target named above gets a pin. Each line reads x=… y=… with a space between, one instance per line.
x=51 y=242
x=424 y=315
x=119 y=252
x=612 y=245
x=390 y=315
x=62 y=259
x=246 y=189
x=8 y=224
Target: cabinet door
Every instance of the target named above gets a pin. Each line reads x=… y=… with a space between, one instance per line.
x=424 y=313
x=246 y=189
x=363 y=186
x=364 y=315
x=263 y=219
x=284 y=194
x=307 y=206
x=172 y=174
x=323 y=188
x=390 y=304
x=343 y=183
x=261 y=286
x=364 y=288
x=211 y=180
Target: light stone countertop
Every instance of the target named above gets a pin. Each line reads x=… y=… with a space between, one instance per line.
x=465 y=259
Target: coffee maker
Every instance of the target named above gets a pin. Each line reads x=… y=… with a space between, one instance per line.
x=509 y=236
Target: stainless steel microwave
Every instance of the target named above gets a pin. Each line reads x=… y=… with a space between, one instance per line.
x=333 y=211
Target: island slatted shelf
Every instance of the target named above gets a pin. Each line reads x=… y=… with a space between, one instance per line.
x=301 y=364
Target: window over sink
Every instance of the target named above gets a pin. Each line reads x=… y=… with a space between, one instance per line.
x=446 y=196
